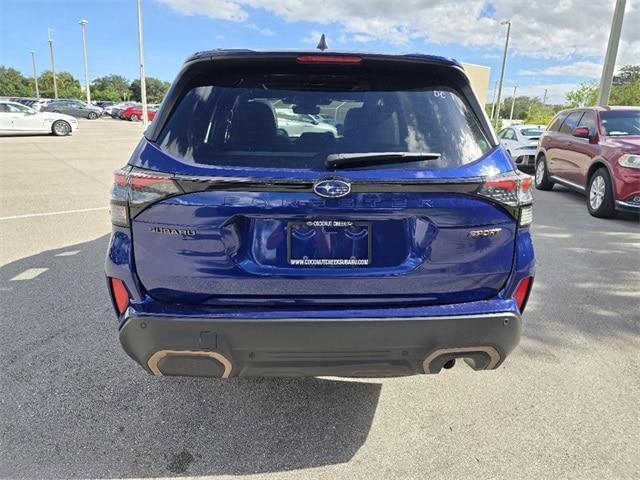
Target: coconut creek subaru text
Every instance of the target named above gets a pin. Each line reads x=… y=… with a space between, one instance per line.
x=305 y=213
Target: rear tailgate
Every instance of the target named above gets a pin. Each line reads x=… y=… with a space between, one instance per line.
x=239 y=235
x=235 y=247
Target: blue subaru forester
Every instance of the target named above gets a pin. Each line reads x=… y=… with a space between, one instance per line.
x=294 y=213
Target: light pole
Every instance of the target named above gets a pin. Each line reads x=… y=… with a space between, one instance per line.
x=35 y=73
x=612 y=53
x=53 y=64
x=83 y=25
x=504 y=62
x=143 y=83
x=493 y=102
x=513 y=101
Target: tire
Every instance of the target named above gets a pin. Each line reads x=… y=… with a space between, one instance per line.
x=60 y=128
x=541 y=177
x=600 y=201
x=92 y=115
x=134 y=118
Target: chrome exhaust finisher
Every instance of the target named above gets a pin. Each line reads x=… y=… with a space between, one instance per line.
x=189 y=363
x=478 y=358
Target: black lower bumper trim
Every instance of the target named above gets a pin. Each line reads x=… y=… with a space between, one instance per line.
x=629 y=207
x=354 y=347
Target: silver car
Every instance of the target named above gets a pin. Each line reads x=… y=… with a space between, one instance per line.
x=521 y=142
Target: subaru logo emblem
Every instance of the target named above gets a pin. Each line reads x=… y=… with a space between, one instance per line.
x=332 y=188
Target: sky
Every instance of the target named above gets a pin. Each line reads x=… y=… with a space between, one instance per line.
x=554 y=45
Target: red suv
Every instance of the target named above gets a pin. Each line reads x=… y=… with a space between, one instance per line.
x=595 y=151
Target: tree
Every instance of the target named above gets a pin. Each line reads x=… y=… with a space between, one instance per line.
x=625 y=94
x=156 y=89
x=110 y=87
x=625 y=90
x=527 y=109
x=584 y=95
x=627 y=75
x=14 y=84
x=68 y=86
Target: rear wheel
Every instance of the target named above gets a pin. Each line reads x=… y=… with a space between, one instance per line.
x=542 y=175
x=134 y=118
x=600 y=201
x=92 y=115
x=60 y=128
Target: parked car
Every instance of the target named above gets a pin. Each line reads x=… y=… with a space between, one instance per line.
x=595 y=151
x=75 y=108
x=17 y=118
x=103 y=104
x=134 y=113
x=394 y=248
x=521 y=142
x=119 y=111
x=114 y=110
x=295 y=124
x=40 y=104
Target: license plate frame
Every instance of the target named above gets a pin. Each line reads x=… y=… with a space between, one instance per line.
x=336 y=227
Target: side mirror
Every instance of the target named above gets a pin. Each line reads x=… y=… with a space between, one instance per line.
x=581 y=132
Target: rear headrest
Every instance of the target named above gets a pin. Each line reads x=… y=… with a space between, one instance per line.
x=372 y=126
x=353 y=120
x=253 y=123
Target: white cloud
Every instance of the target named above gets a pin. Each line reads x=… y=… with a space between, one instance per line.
x=549 y=29
x=218 y=9
x=262 y=31
x=575 y=69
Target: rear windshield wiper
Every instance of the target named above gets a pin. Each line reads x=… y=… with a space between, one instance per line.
x=339 y=160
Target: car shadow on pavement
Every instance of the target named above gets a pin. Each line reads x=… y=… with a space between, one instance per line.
x=579 y=200
x=587 y=272
x=73 y=405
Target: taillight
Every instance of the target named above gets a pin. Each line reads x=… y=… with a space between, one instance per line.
x=321 y=58
x=521 y=294
x=119 y=294
x=133 y=190
x=512 y=191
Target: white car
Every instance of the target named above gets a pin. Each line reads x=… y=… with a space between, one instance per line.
x=521 y=142
x=295 y=124
x=16 y=118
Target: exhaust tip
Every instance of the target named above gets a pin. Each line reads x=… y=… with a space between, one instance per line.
x=197 y=363
x=479 y=358
x=450 y=364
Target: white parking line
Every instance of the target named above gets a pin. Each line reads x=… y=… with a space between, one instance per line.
x=67 y=254
x=48 y=214
x=28 y=274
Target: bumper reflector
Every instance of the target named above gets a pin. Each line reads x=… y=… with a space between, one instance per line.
x=521 y=295
x=120 y=295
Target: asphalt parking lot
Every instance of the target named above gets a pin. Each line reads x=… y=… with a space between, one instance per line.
x=73 y=405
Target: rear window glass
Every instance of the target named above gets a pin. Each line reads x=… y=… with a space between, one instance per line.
x=554 y=126
x=297 y=128
x=531 y=132
x=570 y=123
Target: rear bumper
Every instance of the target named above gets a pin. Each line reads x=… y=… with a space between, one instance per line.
x=350 y=347
x=525 y=159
